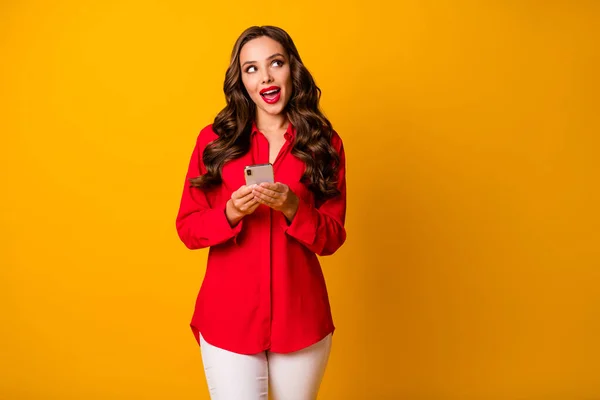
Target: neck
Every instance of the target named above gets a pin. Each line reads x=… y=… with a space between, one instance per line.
x=271 y=123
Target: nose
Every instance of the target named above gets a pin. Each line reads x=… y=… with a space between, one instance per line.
x=266 y=77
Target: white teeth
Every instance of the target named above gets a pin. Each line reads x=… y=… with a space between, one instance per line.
x=271 y=91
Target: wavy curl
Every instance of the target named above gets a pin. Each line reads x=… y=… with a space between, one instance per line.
x=233 y=124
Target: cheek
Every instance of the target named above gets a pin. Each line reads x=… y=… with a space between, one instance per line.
x=248 y=85
x=288 y=83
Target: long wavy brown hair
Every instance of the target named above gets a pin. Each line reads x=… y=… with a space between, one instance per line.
x=233 y=124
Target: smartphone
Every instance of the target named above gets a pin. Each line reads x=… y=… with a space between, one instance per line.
x=259 y=173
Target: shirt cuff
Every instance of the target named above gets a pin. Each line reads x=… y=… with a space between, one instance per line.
x=222 y=227
x=304 y=224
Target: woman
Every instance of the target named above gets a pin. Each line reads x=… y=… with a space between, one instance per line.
x=262 y=316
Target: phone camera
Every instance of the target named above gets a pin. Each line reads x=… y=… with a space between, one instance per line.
x=248 y=172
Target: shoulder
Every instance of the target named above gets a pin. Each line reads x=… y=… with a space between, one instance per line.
x=336 y=141
x=206 y=135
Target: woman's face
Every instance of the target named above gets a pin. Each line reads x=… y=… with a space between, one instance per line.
x=266 y=74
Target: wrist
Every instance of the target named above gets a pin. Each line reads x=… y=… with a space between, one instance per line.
x=290 y=212
x=234 y=216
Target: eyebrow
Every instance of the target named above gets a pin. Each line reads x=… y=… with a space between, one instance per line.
x=270 y=58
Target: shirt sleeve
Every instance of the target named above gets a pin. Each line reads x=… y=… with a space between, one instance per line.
x=198 y=224
x=321 y=229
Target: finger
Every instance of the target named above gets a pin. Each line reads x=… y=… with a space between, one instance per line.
x=268 y=192
x=244 y=194
x=249 y=206
x=264 y=201
x=244 y=201
x=270 y=186
x=248 y=197
x=263 y=196
x=278 y=187
x=254 y=206
x=242 y=191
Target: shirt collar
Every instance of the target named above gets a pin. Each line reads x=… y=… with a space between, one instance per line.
x=289 y=134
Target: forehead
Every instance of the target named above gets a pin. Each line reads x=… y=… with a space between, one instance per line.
x=260 y=49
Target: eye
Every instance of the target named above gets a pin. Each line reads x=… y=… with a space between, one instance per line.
x=277 y=63
x=250 y=69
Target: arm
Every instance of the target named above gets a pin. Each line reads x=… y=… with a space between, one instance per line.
x=198 y=224
x=321 y=229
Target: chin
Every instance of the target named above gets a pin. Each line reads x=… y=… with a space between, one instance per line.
x=274 y=111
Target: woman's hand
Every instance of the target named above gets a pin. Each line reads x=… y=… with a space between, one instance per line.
x=278 y=196
x=241 y=203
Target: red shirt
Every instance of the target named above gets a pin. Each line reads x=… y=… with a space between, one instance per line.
x=263 y=288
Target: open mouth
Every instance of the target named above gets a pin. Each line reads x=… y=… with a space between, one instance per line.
x=271 y=94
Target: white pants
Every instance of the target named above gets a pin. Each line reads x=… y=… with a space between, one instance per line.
x=291 y=376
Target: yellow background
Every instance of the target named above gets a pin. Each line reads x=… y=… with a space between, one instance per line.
x=471 y=269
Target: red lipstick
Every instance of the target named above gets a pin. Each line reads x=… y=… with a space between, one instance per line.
x=271 y=95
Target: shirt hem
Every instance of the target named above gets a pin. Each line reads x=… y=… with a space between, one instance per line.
x=280 y=350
